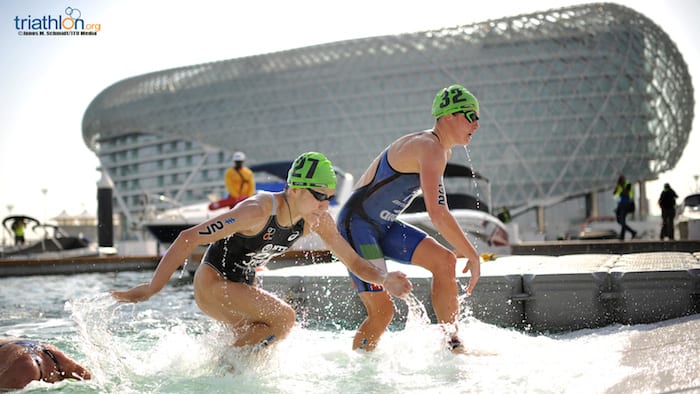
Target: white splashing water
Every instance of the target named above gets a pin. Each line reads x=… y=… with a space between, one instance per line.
x=473 y=174
x=130 y=350
x=165 y=345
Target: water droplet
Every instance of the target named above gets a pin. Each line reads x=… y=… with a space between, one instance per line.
x=184 y=268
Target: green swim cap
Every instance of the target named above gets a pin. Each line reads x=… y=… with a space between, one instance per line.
x=311 y=169
x=456 y=98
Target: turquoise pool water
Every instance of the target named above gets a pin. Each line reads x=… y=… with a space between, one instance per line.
x=166 y=345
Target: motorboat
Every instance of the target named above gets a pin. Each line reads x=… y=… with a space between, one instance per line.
x=269 y=177
x=469 y=199
x=688 y=217
x=50 y=241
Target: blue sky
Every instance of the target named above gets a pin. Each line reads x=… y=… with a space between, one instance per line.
x=48 y=82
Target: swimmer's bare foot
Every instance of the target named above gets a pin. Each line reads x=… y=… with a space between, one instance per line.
x=457 y=347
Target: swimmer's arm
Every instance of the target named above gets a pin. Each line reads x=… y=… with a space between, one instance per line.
x=71 y=368
x=435 y=197
x=395 y=282
x=245 y=215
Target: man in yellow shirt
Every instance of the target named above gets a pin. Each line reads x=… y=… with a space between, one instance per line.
x=240 y=183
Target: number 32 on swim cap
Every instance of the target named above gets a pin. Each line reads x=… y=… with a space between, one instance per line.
x=456 y=98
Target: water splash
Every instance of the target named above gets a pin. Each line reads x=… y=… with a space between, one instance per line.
x=417 y=315
x=473 y=175
x=131 y=348
x=475 y=187
x=140 y=348
x=166 y=345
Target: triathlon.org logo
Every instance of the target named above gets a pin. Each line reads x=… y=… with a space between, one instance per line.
x=70 y=24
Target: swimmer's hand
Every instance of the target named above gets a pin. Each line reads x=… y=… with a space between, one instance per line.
x=397 y=284
x=474 y=267
x=136 y=294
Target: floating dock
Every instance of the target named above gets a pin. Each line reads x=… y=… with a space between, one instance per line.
x=76 y=265
x=559 y=248
x=558 y=286
x=18 y=266
x=532 y=293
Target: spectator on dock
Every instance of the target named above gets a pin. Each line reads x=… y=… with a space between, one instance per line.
x=667 y=203
x=19 y=227
x=240 y=183
x=625 y=206
x=620 y=186
x=23 y=361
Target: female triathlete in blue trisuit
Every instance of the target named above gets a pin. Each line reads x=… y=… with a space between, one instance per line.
x=412 y=164
x=247 y=237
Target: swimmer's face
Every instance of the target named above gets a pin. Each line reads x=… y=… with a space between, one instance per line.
x=319 y=199
x=313 y=200
x=312 y=203
x=469 y=121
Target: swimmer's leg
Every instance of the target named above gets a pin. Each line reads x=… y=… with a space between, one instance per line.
x=253 y=314
x=441 y=263
x=380 y=312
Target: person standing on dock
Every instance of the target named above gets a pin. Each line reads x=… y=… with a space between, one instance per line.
x=625 y=206
x=240 y=183
x=620 y=186
x=667 y=203
x=246 y=238
x=18 y=228
x=412 y=164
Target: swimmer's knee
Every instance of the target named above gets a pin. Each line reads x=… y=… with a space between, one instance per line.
x=383 y=319
x=380 y=308
x=446 y=263
x=434 y=257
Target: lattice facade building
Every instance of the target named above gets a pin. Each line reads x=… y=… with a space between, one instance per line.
x=569 y=98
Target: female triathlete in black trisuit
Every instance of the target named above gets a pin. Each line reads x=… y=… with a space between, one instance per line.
x=247 y=237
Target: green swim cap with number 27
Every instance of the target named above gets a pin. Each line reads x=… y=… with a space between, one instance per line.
x=311 y=169
x=456 y=98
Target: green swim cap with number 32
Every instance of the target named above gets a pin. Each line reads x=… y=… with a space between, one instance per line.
x=456 y=98
x=311 y=169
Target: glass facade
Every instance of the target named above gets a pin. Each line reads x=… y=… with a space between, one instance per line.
x=569 y=99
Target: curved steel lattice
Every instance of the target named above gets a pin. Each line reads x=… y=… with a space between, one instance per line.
x=569 y=98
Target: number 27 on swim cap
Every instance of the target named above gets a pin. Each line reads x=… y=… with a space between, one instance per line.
x=311 y=169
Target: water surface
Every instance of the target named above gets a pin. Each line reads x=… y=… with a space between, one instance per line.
x=166 y=345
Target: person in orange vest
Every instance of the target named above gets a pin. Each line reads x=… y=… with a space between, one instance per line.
x=240 y=183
